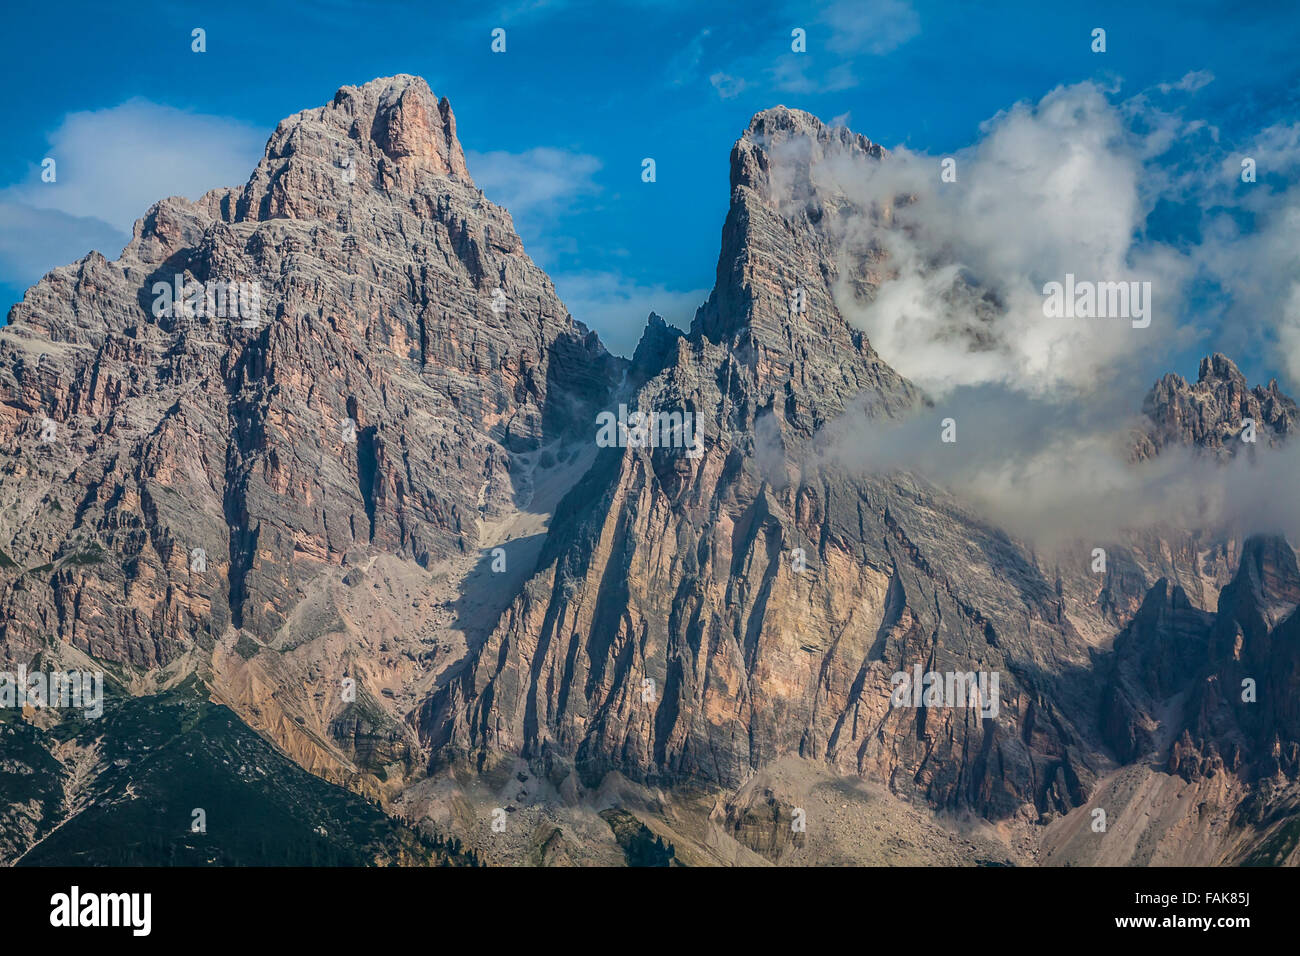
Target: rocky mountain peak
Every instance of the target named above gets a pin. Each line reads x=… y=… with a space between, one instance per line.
x=1210 y=413
x=390 y=138
x=388 y=352
x=1266 y=587
x=1219 y=368
x=657 y=347
x=785 y=156
x=404 y=118
x=780 y=268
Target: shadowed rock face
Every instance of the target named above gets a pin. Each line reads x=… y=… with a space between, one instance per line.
x=1157 y=656
x=396 y=404
x=1206 y=694
x=1211 y=693
x=1243 y=713
x=376 y=259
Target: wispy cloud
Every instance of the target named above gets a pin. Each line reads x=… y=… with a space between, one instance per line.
x=1190 y=83
x=728 y=87
x=684 y=66
x=111 y=166
x=839 y=37
x=873 y=27
x=115 y=163
x=796 y=73
x=542 y=181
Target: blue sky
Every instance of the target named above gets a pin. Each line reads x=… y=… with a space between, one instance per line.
x=557 y=126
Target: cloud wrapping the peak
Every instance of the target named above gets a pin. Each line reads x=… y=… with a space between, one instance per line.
x=1049 y=190
x=947 y=278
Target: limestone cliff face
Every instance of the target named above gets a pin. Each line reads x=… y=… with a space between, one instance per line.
x=367 y=400
x=387 y=469
x=1200 y=710
x=766 y=594
x=1199 y=695
x=1242 y=712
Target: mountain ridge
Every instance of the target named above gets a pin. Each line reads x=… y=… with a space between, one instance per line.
x=390 y=472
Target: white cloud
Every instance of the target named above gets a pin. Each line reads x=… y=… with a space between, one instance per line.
x=1190 y=83
x=873 y=27
x=1275 y=150
x=792 y=74
x=1050 y=189
x=1055 y=473
x=728 y=87
x=1250 y=245
x=617 y=307
x=111 y=166
x=1044 y=407
x=115 y=163
x=537 y=182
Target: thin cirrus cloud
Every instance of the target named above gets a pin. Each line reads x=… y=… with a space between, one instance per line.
x=111 y=166
x=684 y=66
x=793 y=73
x=1190 y=82
x=873 y=28
x=728 y=86
x=837 y=36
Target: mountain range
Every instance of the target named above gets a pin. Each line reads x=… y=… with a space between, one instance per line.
x=357 y=530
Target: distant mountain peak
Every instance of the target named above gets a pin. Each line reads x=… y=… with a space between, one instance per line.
x=1218 y=367
x=792 y=144
x=1210 y=413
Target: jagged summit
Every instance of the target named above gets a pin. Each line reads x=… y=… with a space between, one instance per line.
x=783 y=262
x=400 y=115
x=779 y=119
x=1209 y=414
x=392 y=137
x=657 y=346
x=780 y=151
x=781 y=123
x=1219 y=367
x=400 y=347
